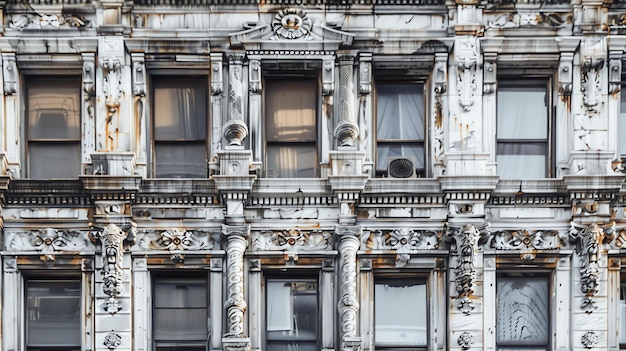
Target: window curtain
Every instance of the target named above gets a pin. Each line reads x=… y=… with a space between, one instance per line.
x=180 y=310
x=398 y=323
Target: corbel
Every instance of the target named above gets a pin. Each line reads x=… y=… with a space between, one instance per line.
x=328 y=76
x=9 y=70
x=89 y=72
x=139 y=74
x=591 y=81
x=489 y=73
x=440 y=73
x=615 y=71
x=255 y=77
x=466 y=81
x=365 y=73
x=565 y=73
x=217 y=77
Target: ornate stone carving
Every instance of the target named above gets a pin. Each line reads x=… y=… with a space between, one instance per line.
x=565 y=73
x=466 y=81
x=48 y=242
x=178 y=241
x=236 y=242
x=255 y=77
x=346 y=133
x=328 y=77
x=530 y=19
x=217 y=76
x=489 y=73
x=113 y=239
x=112 y=341
x=467 y=240
x=47 y=21
x=139 y=77
x=349 y=240
x=291 y=240
x=291 y=23
x=365 y=73
x=9 y=71
x=465 y=341
x=526 y=241
x=112 y=87
x=589 y=240
x=89 y=75
x=589 y=339
x=235 y=130
x=615 y=71
x=404 y=240
x=591 y=82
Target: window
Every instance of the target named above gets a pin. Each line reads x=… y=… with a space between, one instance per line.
x=400 y=325
x=180 y=320
x=523 y=312
x=622 y=314
x=292 y=312
x=53 y=315
x=622 y=122
x=400 y=124
x=291 y=128
x=523 y=125
x=53 y=109
x=180 y=127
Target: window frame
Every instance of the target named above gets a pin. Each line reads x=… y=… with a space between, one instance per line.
x=417 y=276
x=548 y=276
x=182 y=276
x=200 y=79
x=401 y=81
x=529 y=80
x=312 y=77
x=300 y=276
x=74 y=81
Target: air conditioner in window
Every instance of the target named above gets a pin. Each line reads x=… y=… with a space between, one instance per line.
x=401 y=167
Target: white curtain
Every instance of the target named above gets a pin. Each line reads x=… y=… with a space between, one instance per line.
x=398 y=323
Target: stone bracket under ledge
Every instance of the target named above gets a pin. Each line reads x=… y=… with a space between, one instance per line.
x=347 y=162
x=113 y=163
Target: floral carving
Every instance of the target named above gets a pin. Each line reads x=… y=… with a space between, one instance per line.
x=48 y=242
x=112 y=87
x=291 y=23
x=113 y=238
x=588 y=247
x=465 y=341
x=526 y=242
x=178 y=241
x=466 y=81
x=292 y=240
x=589 y=339
x=112 y=341
x=591 y=84
x=467 y=240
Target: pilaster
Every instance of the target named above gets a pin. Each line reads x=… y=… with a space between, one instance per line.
x=346 y=129
x=235 y=129
x=12 y=138
x=349 y=239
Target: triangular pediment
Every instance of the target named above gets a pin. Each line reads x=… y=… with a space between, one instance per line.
x=290 y=29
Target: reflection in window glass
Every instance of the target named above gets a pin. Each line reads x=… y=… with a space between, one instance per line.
x=291 y=128
x=54 y=134
x=53 y=314
x=400 y=325
x=400 y=123
x=523 y=313
x=522 y=129
x=180 y=127
x=292 y=315
x=180 y=319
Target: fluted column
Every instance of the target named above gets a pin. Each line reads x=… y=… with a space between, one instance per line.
x=235 y=129
x=236 y=238
x=349 y=240
x=347 y=129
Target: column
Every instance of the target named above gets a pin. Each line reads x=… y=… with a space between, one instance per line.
x=349 y=241
x=217 y=97
x=11 y=312
x=216 y=287
x=255 y=295
x=11 y=129
x=235 y=129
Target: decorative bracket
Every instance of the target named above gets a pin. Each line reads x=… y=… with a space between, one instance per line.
x=591 y=82
x=9 y=71
x=89 y=72
x=255 y=77
x=112 y=87
x=217 y=77
x=615 y=71
x=466 y=81
x=139 y=74
x=489 y=73
x=589 y=240
x=565 y=73
x=467 y=240
x=113 y=239
x=365 y=73
x=328 y=77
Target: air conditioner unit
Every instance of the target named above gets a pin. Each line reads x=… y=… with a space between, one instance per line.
x=401 y=167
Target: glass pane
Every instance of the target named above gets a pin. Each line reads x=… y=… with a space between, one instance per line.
x=44 y=159
x=181 y=348
x=400 y=112
x=180 y=324
x=53 y=108
x=622 y=312
x=181 y=160
x=293 y=161
x=291 y=110
x=295 y=329
x=522 y=161
x=622 y=122
x=397 y=323
x=522 y=110
x=180 y=293
x=180 y=108
x=291 y=346
x=53 y=313
x=523 y=311
x=387 y=151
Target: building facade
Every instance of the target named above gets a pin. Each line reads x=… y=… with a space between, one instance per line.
x=329 y=175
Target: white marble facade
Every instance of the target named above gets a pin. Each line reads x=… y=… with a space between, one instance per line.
x=467 y=224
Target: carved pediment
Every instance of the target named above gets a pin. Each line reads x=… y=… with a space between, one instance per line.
x=291 y=29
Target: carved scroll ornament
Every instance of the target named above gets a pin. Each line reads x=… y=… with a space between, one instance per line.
x=526 y=241
x=112 y=87
x=291 y=240
x=467 y=240
x=466 y=81
x=113 y=239
x=591 y=82
x=291 y=23
x=404 y=241
x=48 y=242
x=177 y=242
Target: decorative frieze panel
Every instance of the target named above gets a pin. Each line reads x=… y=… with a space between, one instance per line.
x=591 y=82
x=48 y=21
x=291 y=240
x=404 y=241
x=589 y=240
x=178 y=242
x=48 y=242
x=552 y=20
x=467 y=240
x=526 y=241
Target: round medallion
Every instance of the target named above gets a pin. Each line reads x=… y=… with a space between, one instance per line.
x=291 y=23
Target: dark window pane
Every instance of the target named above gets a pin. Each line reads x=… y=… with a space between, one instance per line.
x=398 y=324
x=181 y=160
x=180 y=107
x=523 y=312
x=53 y=313
x=292 y=314
x=53 y=108
x=400 y=112
x=291 y=110
x=44 y=159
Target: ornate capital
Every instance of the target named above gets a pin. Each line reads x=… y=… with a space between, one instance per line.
x=467 y=240
x=9 y=72
x=365 y=73
x=112 y=87
x=113 y=238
